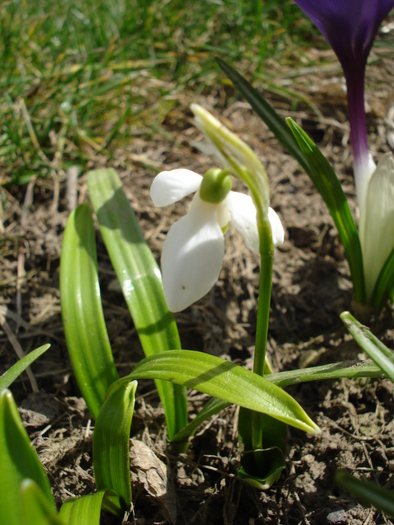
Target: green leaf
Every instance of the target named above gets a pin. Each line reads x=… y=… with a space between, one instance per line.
x=15 y=371
x=83 y=319
x=212 y=407
x=140 y=279
x=384 y=286
x=329 y=187
x=375 y=349
x=264 y=442
x=266 y=112
x=368 y=492
x=295 y=140
x=18 y=461
x=348 y=369
x=87 y=509
x=224 y=380
x=111 y=441
x=36 y=508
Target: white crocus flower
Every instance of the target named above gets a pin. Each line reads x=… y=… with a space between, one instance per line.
x=193 y=251
x=376 y=227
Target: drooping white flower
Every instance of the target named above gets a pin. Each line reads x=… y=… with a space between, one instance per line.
x=193 y=251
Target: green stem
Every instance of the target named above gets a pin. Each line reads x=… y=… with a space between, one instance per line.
x=263 y=311
x=263 y=314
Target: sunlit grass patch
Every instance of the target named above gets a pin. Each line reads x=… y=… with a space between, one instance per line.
x=80 y=77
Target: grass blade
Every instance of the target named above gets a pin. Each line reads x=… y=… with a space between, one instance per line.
x=18 y=461
x=83 y=319
x=87 y=509
x=140 y=278
x=329 y=187
x=224 y=380
x=111 y=441
x=382 y=356
x=15 y=371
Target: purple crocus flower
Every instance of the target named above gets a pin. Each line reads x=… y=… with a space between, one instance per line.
x=350 y=27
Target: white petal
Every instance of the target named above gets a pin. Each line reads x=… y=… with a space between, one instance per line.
x=192 y=256
x=377 y=221
x=243 y=216
x=363 y=171
x=278 y=233
x=171 y=186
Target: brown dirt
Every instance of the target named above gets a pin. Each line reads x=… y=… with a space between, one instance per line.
x=311 y=286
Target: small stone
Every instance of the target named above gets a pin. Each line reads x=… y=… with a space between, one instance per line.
x=337 y=516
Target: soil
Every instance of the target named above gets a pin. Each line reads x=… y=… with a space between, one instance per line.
x=311 y=287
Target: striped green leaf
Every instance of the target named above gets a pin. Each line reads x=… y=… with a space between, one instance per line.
x=224 y=380
x=329 y=187
x=382 y=356
x=111 y=441
x=83 y=319
x=87 y=509
x=140 y=279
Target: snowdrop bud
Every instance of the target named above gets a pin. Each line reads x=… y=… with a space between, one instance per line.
x=215 y=186
x=236 y=156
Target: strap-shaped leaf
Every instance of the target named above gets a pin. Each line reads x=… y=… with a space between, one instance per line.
x=224 y=380
x=87 y=509
x=111 y=441
x=83 y=319
x=301 y=147
x=20 y=366
x=329 y=187
x=368 y=492
x=384 y=286
x=266 y=112
x=340 y=370
x=36 y=508
x=372 y=346
x=18 y=461
x=348 y=369
x=140 y=279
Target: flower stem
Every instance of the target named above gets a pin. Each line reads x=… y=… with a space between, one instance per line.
x=263 y=314
x=263 y=311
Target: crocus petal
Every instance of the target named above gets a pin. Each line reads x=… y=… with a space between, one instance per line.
x=192 y=256
x=377 y=221
x=243 y=217
x=350 y=27
x=171 y=186
x=364 y=171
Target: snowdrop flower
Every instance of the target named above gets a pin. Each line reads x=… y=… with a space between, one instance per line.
x=193 y=251
x=350 y=27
